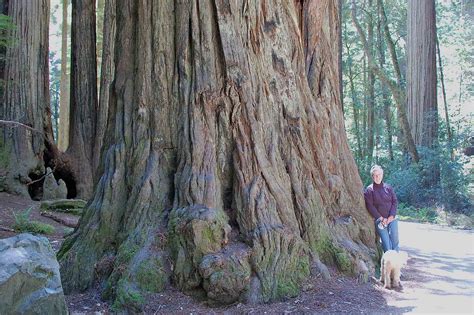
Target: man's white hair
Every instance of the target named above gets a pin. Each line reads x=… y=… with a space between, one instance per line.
x=375 y=168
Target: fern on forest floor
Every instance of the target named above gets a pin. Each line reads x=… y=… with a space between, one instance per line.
x=24 y=224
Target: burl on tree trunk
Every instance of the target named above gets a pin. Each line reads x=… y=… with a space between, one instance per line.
x=227 y=170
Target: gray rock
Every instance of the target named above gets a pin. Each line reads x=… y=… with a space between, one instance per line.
x=362 y=271
x=53 y=189
x=318 y=268
x=29 y=277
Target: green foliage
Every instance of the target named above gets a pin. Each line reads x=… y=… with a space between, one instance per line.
x=414 y=187
x=5 y=26
x=410 y=213
x=4 y=155
x=24 y=224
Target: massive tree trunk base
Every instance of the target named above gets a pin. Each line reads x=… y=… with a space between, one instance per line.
x=226 y=167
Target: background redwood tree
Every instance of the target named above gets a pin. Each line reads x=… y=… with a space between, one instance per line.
x=422 y=105
x=227 y=169
x=25 y=98
x=83 y=102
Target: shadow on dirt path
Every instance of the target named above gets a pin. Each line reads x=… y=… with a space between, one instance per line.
x=439 y=277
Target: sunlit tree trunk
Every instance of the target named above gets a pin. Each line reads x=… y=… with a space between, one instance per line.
x=227 y=165
x=422 y=80
x=445 y=102
x=370 y=89
x=385 y=93
x=63 y=138
x=421 y=73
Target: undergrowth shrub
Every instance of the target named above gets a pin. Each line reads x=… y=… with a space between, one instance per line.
x=24 y=224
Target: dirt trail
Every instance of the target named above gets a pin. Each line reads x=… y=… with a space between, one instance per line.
x=439 y=277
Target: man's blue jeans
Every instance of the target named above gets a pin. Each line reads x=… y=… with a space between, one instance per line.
x=388 y=235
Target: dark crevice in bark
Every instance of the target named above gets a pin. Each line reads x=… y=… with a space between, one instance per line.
x=220 y=48
x=60 y=163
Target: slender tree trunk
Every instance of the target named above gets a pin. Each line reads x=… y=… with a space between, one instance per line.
x=26 y=98
x=385 y=94
x=63 y=139
x=445 y=102
x=106 y=78
x=227 y=153
x=355 y=104
x=84 y=105
x=397 y=92
x=370 y=89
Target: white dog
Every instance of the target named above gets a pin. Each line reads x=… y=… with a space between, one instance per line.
x=390 y=267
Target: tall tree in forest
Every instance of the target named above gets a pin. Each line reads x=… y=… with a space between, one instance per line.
x=83 y=103
x=106 y=78
x=26 y=98
x=226 y=153
x=370 y=96
x=422 y=106
x=63 y=134
x=381 y=25
x=395 y=87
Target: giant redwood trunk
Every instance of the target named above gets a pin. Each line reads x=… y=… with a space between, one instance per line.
x=25 y=98
x=227 y=170
x=83 y=103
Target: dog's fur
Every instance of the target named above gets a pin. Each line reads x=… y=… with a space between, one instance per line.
x=390 y=268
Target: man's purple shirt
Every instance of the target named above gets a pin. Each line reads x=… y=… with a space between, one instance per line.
x=380 y=200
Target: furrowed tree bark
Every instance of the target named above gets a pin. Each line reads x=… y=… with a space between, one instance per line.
x=83 y=102
x=63 y=138
x=227 y=170
x=422 y=106
x=26 y=98
x=421 y=74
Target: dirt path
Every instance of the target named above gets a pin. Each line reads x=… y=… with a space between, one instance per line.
x=439 y=277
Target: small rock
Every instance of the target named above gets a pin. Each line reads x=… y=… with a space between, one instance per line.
x=307 y=287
